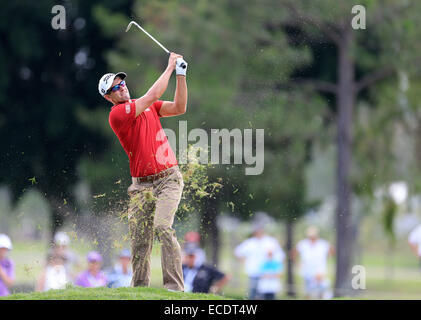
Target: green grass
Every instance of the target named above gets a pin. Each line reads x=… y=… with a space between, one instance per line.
x=398 y=280
x=77 y=293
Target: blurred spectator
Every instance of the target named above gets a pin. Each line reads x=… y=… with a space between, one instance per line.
x=61 y=248
x=193 y=238
x=414 y=240
x=270 y=277
x=253 y=252
x=314 y=253
x=54 y=275
x=93 y=276
x=7 y=267
x=121 y=275
x=200 y=277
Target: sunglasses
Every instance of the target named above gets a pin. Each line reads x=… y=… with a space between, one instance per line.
x=117 y=87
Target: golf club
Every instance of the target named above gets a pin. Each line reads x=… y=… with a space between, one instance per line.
x=183 y=65
x=156 y=41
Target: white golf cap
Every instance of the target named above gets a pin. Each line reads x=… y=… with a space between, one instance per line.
x=61 y=239
x=5 y=242
x=106 y=81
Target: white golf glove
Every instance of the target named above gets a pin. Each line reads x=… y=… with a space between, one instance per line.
x=180 y=67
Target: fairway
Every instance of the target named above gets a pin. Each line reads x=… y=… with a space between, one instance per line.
x=75 y=293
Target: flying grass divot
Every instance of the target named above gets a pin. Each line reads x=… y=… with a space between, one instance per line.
x=196 y=186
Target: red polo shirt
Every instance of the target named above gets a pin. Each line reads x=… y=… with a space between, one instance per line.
x=142 y=138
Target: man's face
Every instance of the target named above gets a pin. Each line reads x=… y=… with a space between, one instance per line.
x=190 y=258
x=119 y=96
x=313 y=237
x=259 y=233
x=60 y=249
x=94 y=266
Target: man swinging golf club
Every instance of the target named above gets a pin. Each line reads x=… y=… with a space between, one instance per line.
x=157 y=182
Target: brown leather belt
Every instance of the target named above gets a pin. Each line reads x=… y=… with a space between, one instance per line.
x=154 y=177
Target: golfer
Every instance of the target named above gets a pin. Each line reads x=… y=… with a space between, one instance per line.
x=157 y=182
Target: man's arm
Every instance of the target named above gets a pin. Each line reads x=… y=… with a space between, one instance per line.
x=158 y=88
x=179 y=105
x=41 y=282
x=294 y=254
x=331 y=251
x=217 y=286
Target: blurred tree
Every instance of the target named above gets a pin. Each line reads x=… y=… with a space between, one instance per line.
x=364 y=57
x=49 y=76
x=293 y=124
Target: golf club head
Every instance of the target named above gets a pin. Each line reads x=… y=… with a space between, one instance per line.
x=156 y=41
x=129 y=25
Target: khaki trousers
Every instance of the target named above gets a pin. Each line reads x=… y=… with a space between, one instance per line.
x=152 y=208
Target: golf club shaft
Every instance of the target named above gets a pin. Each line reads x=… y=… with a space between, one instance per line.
x=156 y=41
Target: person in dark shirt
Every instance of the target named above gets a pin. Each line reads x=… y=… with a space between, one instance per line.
x=200 y=277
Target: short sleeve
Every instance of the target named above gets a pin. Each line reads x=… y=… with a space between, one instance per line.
x=278 y=252
x=241 y=250
x=11 y=270
x=157 y=106
x=281 y=254
x=326 y=246
x=122 y=115
x=299 y=246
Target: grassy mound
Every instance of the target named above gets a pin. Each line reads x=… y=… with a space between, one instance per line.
x=139 y=293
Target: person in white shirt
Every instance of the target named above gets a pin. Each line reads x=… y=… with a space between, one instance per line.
x=55 y=275
x=61 y=248
x=314 y=253
x=270 y=277
x=253 y=252
x=414 y=240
